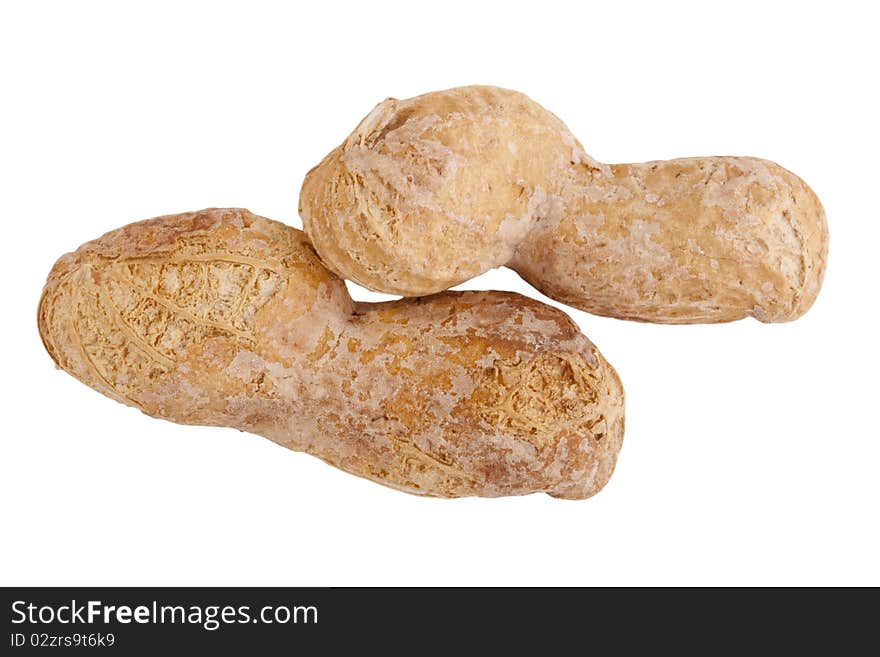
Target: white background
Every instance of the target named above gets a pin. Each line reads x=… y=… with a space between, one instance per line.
x=751 y=452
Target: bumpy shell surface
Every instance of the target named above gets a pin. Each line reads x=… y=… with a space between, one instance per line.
x=431 y=191
x=224 y=318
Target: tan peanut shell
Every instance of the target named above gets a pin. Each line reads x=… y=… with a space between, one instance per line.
x=221 y=317
x=431 y=191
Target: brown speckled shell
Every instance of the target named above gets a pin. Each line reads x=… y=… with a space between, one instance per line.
x=221 y=317
x=431 y=191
